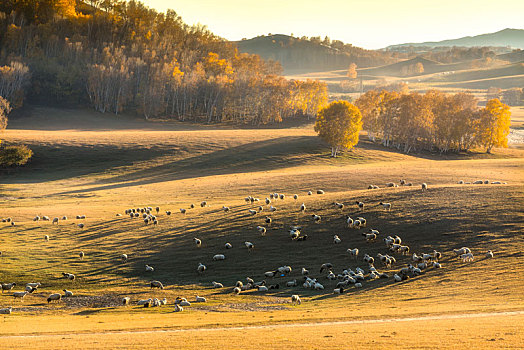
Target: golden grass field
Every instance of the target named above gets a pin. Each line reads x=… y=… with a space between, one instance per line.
x=99 y=166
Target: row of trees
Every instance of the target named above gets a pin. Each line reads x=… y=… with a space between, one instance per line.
x=449 y=123
x=123 y=56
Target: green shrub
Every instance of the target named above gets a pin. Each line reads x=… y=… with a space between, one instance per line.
x=14 y=155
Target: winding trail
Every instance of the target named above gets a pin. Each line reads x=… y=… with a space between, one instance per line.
x=278 y=326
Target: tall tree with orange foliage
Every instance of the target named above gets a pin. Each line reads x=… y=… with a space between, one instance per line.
x=494 y=125
x=339 y=125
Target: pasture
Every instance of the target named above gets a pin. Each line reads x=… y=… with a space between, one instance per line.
x=88 y=165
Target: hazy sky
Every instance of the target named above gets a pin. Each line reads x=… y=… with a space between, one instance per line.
x=366 y=23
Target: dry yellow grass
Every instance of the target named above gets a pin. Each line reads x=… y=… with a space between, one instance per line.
x=101 y=172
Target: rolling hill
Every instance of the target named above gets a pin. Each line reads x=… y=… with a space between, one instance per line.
x=296 y=54
x=506 y=37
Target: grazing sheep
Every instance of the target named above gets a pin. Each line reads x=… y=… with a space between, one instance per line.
x=198 y=242
x=272 y=208
x=168 y=212
x=156 y=284
x=253 y=212
x=145 y=302
x=262 y=288
x=81 y=255
x=336 y=239
x=239 y=284
x=126 y=301
x=437 y=265
x=219 y=257
x=192 y=206
x=33 y=286
x=228 y=245
x=358 y=285
x=67 y=293
x=6 y=311
x=46 y=238
x=217 y=285
x=268 y=220
x=295 y=299
x=20 y=295
x=282 y=196
x=463 y=250
x=386 y=206
x=424 y=186
x=326 y=266
x=295 y=196
x=69 y=276
x=370 y=237
x=309 y=193
x=178 y=308
x=496 y=182
x=360 y=205
x=45 y=218
x=149 y=268
x=270 y=273
x=489 y=254
x=320 y=192
x=183 y=210
x=353 y=252
x=316 y=218
x=467 y=257
x=250 y=246
x=461 y=182
x=54 y=297
x=303 y=207
x=81 y=225
x=291 y=283
x=339 y=205
x=226 y=209
x=339 y=290
x=36 y=218
x=200 y=299
x=203 y=204
x=123 y=257
x=262 y=230
x=55 y=221
x=305 y=272
x=390 y=184
x=363 y=222
x=236 y=290
x=201 y=268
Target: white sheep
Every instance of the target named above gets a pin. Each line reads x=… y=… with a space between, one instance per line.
x=250 y=246
x=316 y=218
x=463 y=250
x=353 y=253
x=198 y=242
x=124 y=257
x=295 y=299
x=36 y=218
x=237 y=290
x=262 y=230
x=200 y=299
x=424 y=186
x=320 y=192
x=67 y=293
x=80 y=225
x=370 y=237
x=201 y=268
x=69 y=276
x=55 y=221
x=489 y=254
x=46 y=238
x=54 y=297
x=20 y=295
x=126 y=300
x=295 y=196
x=360 y=205
x=252 y=211
x=183 y=210
x=228 y=245
x=145 y=302
x=217 y=284
x=303 y=207
x=304 y=272
x=219 y=257
x=262 y=288
x=291 y=283
x=309 y=193
x=467 y=257
x=386 y=206
x=149 y=268
x=156 y=284
x=336 y=239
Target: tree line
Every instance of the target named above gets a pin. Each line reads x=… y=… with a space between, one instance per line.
x=433 y=121
x=121 y=56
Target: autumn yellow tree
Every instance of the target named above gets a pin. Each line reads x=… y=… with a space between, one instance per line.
x=494 y=125
x=4 y=111
x=352 y=71
x=339 y=125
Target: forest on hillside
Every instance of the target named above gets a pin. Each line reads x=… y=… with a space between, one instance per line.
x=121 y=56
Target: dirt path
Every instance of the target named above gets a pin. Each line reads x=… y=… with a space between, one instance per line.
x=278 y=326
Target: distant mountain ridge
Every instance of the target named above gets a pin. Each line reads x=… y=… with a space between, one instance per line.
x=506 y=37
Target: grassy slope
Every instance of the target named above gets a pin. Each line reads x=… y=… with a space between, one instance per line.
x=175 y=168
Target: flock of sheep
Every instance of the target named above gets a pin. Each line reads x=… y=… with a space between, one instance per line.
x=345 y=277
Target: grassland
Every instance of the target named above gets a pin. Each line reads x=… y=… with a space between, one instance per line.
x=89 y=166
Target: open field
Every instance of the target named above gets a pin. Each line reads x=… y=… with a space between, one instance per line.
x=99 y=169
